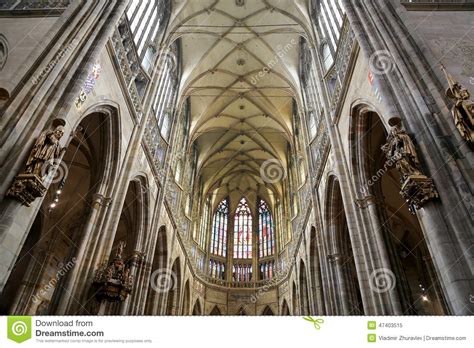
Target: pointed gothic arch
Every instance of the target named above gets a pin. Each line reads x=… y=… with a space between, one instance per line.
x=403 y=238
x=267 y=311
x=197 y=309
x=285 y=309
x=174 y=293
x=215 y=311
x=155 y=304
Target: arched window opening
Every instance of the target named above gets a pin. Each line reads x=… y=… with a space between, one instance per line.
x=329 y=16
x=243 y=231
x=165 y=99
x=267 y=270
x=242 y=273
x=219 y=229
x=217 y=269
x=201 y=239
x=146 y=19
x=266 y=235
x=328 y=59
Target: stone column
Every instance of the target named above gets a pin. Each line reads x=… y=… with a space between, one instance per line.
x=76 y=281
x=27 y=116
x=390 y=301
x=448 y=232
x=337 y=261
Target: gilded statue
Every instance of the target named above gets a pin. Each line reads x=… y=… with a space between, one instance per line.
x=417 y=189
x=120 y=250
x=29 y=185
x=45 y=151
x=400 y=148
x=463 y=108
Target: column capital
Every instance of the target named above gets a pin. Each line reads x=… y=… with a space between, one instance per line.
x=100 y=200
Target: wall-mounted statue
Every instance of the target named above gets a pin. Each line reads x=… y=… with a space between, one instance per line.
x=43 y=158
x=46 y=150
x=417 y=188
x=463 y=108
x=401 y=151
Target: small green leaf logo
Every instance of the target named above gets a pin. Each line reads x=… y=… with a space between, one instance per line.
x=19 y=329
x=316 y=322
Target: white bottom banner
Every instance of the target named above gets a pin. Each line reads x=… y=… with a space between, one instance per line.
x=232 y=332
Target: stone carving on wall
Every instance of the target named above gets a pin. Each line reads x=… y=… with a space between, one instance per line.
x=463 y=108
x=417 y=189
x=113 y=282
x=43 y=159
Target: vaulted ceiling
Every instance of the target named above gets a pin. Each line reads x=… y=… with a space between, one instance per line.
x=240 y=71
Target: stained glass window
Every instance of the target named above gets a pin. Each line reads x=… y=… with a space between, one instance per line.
x=217 y=269
x=219 y=229
x=242 y=273
x=267 y=269
x=243 y=231
x=266 y=236
x=201 y=239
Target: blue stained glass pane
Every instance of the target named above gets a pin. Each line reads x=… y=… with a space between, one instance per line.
x=219 y=235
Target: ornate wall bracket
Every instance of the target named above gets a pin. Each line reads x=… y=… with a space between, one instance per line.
x=26 y=188
x=113 y=282
x=417 y=188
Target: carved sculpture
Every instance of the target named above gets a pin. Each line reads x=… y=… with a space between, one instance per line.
x=463 y=108
x=114 y=282
x=417 y=188
x=401 y=151
x=44 y=156
x=45 y=152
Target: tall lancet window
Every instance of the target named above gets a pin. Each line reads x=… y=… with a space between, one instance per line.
x=243 y=231
x=146 y=18
x=219 y=229
x=266 y=236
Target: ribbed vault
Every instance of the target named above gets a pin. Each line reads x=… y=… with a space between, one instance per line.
x=240 y=73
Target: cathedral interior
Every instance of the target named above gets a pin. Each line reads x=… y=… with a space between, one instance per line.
x=236 y=157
